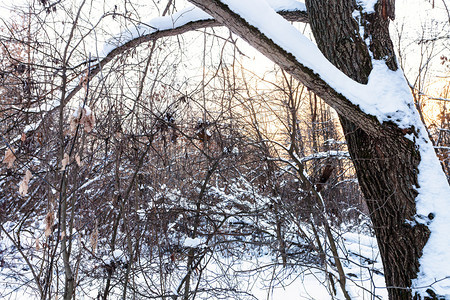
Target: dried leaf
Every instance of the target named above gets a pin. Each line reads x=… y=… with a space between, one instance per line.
x=39 y=138
x=28 y=175
x=49 y=220
x=23 y=137
x=78 y=159
x=65 y=161
x=88 y=121
x=38 y=247
x=83 y=116
x=94 y=237
x=9 y=157
x=73 y=124
x=84 y=79
x=23 y=188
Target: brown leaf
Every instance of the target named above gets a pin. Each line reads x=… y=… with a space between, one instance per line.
x=49 y=220
x=73 y=124
x=28 y=175
x=9 y=158
x=84 y=79
x=39 y=138
x=38 y=247
x=65 y=161
x=23 y=137
x=78 y=159
x=94 y=237
x=23 y=187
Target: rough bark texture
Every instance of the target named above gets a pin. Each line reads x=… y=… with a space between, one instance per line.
x=386 y=162
x=386 y=165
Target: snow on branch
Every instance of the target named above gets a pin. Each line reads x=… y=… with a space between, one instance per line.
x=386 y=96
x=328 y=154
x=186 y=20
x=290 y=9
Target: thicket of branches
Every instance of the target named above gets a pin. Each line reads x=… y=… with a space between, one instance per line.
x=155 y=171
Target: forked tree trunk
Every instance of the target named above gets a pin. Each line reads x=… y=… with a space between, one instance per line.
x=386 y=164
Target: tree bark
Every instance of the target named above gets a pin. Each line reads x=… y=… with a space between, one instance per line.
x=386 y=165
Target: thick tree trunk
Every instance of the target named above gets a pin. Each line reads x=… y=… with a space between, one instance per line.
x=386 y=164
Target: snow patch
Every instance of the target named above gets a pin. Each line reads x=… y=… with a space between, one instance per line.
x=368 y=6
x=287 y=5
x=194 y=243
x=76 y=114
x=32 y=127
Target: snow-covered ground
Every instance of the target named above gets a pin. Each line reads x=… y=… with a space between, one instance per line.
x=255 y=274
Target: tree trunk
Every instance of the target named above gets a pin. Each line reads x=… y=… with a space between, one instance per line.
x=386 y=164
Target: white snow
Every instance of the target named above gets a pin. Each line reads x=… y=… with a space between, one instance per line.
x=286 y=5
x=180 y=18
x=119 y=255
x=47 y=105
x=193 y=243
x=368 y=6
x=326 y=154
x=31 y=127
x=433 y=198
x=81 y=106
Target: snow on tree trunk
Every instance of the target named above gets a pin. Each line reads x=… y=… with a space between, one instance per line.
x=386 y=164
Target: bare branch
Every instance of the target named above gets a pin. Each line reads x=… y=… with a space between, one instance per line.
x=288 y=62
x=293 y=16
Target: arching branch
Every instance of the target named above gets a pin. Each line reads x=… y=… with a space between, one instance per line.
x=290 y=15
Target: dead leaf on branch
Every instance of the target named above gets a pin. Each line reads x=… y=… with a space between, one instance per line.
x=84 y=79
x=83 y=116
x=49 y=220
x=94 y=237
x=78 y=159
x=73 y=124
x=65 y=161
x=9 y=158
x=23 y=187
x=89 y=122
